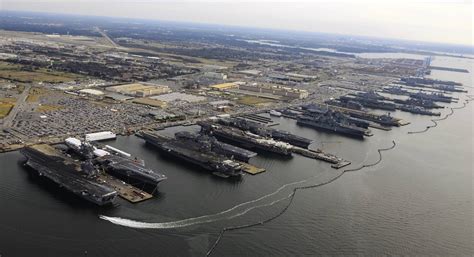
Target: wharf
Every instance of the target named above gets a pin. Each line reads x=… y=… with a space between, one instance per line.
x=340 y=164
x=260 y=119
x=337 y=162
x=251 y=169
x=377 y=126
x=126 y=191
x=448 y=69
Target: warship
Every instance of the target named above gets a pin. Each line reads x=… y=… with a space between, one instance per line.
x=396 y=91
x=347 y=104
x=116 y=162
x=418 y=110
x=261 y=130
x=246 y=139
x=79 y=178
x=427 y=81
x=435 y=97
x=370 y=103
x=384 y=119
x=370 y=95
x=428 y=104
x=449 y=88
x=199 y=155
x=328 y=121
x=210 y=142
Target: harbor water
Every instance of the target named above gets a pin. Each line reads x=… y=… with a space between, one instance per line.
x=417 y=201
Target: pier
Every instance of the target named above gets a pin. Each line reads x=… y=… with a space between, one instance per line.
x=337 y=162
x=126 y=191
x=251 y=169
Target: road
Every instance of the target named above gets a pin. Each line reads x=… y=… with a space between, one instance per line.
x=106 y=37
x=20 y=104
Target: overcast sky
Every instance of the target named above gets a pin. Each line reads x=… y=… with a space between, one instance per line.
x=447 y=21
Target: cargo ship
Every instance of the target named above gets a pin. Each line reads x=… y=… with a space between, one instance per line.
x=327 y=121
x=218 y=164
x=116 y=162
x=261 y=130
x=68 y=174
x=246 y=139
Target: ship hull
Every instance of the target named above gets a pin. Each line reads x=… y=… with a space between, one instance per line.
x=66 y=177
x=193 y=157
x=249 y=144
x=127 y=169
x=338 y=130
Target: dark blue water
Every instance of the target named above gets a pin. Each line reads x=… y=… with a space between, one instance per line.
x=417 y=201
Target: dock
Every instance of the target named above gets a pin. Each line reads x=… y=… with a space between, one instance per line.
x=377 y=126
x=260 y=119
x=336 y=162
x=126 y=191
x=341 y=164
x=251 y=169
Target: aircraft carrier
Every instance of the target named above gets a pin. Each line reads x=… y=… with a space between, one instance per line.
x=263 y=131
x=396 y=91
x=370 y=103
x=203 y=157
x=347 y=104
x=246 y=139
x=68 y=174
x=116 y=163
x=210 y=142
x=383 y=119
x=370 y=95
x=328 y=121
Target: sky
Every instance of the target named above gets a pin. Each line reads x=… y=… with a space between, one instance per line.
x=442 y=21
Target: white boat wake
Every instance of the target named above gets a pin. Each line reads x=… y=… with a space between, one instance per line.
x=202 y=219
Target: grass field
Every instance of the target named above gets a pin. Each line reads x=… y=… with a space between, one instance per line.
x=35 y=94
x=253 y=100
x=14 y=72
x=5 y=109
x=48 y=108
x=7 y=100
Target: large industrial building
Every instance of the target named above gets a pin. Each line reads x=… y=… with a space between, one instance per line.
x=224 y=86
x=262 y=90
x=179 y=97
x=140 y=90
